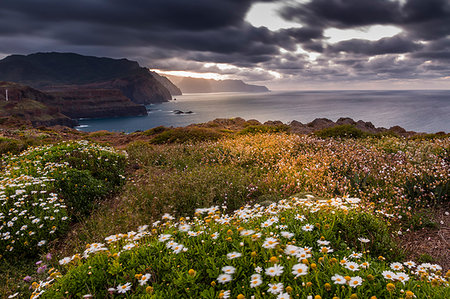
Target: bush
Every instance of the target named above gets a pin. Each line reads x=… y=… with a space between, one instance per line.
x=342 y=131
x=80 y=190
x=155 y=131
x=42 y=187
x=255 y=129
x=186 y=135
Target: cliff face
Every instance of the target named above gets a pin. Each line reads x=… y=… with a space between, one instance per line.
x=53 y=71
x=198 y=85
x=95 y=103
x=61 y=107
x=172 y=88
x=26 y=104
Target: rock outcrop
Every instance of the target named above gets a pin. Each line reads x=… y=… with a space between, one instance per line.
x=95 y=103
x=297 y=127
x=62 y=107
x=172 y=88
x=198 y=85
x=28 y=105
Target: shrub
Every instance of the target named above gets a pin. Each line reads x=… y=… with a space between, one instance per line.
x=341 y=131
x=255 y=129
x=38 y=186
x=186 y=135
x=155 y=131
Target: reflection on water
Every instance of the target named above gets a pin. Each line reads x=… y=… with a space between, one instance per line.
x=422 y=111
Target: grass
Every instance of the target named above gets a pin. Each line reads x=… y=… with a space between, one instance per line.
x=178 y=171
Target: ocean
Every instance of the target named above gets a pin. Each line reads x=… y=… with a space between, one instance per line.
x=417 y=110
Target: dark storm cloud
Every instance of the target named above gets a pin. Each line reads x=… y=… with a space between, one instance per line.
x=342 y=13
x=396 y=44
x=428 y=19
x=183 y=35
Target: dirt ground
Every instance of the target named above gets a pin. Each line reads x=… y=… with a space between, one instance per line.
x=432 y=242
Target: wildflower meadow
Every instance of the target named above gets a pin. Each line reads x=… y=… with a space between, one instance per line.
x=255 y=215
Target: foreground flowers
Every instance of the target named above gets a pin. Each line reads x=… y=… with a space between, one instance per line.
x=230 y=262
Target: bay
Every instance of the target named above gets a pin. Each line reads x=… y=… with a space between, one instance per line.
x=416 y=110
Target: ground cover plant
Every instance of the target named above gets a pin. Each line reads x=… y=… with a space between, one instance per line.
x=290 y=249
x=42 y=188
x=397 y=179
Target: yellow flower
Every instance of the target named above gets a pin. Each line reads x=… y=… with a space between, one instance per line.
x=289 y=289
x=370 y=277
x=229 y=232
x=240 y=228
x=138 y=276
x=191 y=272
x=353 y=296
x=149 y=290
x=309 y=284
x=273 y=259
x=390 y=287
x=240 y=296
x=327 y=287
x=253 y=254
x=373 y=297
x=317 y=297
x=313 y=266
x=409 y=295
x=347 y=278
x=213 y=283
x=333 y=260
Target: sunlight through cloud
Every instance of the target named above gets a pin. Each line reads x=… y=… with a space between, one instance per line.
x=372 y=33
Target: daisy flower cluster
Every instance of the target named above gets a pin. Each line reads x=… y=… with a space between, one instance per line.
x=32 y=210
x=237 y=256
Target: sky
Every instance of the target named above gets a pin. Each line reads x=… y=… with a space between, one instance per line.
x=283 y=44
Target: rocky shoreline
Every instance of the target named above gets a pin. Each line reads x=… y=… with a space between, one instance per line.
x=297 y=127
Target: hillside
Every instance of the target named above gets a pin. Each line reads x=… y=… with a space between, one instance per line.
x=59 y=108
x=197 y=85
x=248 y=213
x=55 y=71
x=26 y=104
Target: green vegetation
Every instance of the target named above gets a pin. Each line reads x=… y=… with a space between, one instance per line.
x=216 y=193
x=41 y=188
x=342 y=131
x=255 y=129
x=183 y=135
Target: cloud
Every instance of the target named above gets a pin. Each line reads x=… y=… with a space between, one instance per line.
x=396 y=44
x=184 y=35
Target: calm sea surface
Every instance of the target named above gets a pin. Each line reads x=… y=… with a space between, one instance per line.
x=417 y=110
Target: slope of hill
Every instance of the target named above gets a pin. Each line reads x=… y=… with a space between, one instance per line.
x=173 y=89
x=57 y=108
x=198 y=85
x=26 y=104
x=52 y=71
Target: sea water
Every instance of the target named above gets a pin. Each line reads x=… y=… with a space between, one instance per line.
x=416 y=110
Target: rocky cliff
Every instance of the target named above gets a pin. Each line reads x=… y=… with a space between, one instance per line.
x=61 y=107
x=172 y=88
x=197 y=85
x=62 y=71
x=95 y=103
x=25 y=104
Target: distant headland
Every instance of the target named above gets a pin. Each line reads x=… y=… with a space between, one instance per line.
x=75 y=86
